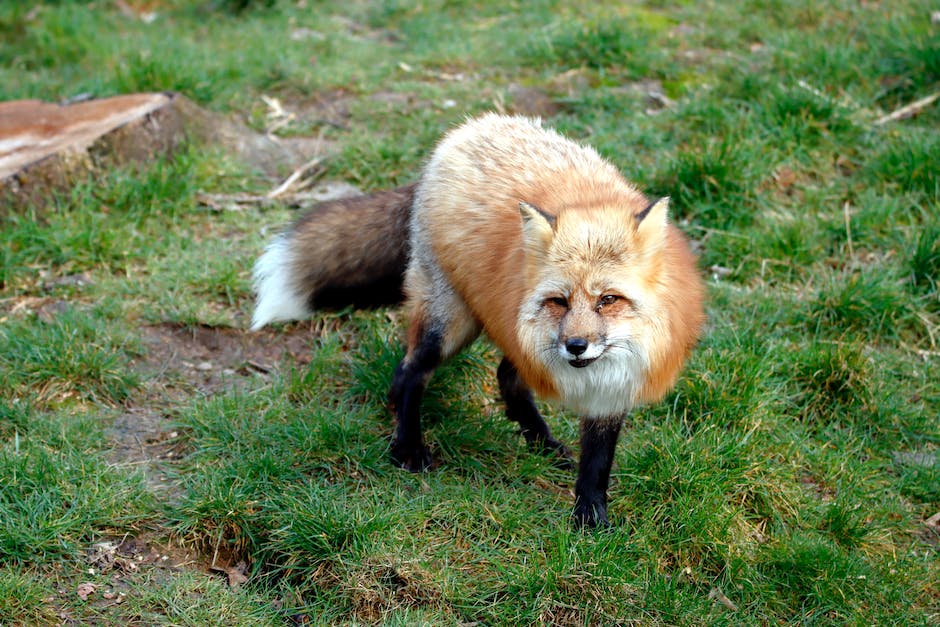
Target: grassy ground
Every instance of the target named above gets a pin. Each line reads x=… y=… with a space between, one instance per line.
x=790 y=478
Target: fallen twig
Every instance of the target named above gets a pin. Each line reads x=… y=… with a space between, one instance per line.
x=277 y=116
x=291 y=180
x=718 y=595
x=237 y=202
x=848 y=229
x=908 y=111
x=292 y=192
x=258 y=366
x=232 y=202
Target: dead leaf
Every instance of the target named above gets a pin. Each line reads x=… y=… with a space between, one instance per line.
x=236 y=575
x=85 y=590
x=785 y=178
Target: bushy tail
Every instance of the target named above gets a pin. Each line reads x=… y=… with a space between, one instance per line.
x=341 y=252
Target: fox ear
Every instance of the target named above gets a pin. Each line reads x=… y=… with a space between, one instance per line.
x=537 y=227
x=651 y=222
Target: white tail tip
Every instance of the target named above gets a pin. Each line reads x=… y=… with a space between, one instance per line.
x=277 y=298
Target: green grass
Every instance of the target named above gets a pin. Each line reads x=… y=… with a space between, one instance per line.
x=55 y=496
x=72 y=356
x=791 y=471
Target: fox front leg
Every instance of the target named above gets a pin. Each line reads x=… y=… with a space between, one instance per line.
x=521 y=408
x=598 y=442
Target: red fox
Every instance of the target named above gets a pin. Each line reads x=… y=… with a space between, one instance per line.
x=513 y=230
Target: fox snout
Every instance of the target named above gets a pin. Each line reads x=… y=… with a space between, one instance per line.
x=580 y=351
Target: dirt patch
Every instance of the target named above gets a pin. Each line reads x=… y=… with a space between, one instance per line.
x=817 y=487
x=378 y=591
x=214 y=359
x=180 y=360
x=145 y=439
x=131 y=554
x=113 y=570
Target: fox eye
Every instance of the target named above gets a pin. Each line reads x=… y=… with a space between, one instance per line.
x=558 y=301
x=608 y=299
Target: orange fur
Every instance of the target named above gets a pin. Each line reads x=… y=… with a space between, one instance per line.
x=682 y=292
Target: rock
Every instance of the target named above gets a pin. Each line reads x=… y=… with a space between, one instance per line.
x=46 y=147
x=270 y=155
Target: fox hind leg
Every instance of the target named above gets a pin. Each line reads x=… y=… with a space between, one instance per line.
x=520 y=408
x=441 y=325
x=408 y=385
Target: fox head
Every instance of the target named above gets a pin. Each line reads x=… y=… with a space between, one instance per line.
x=592 y=313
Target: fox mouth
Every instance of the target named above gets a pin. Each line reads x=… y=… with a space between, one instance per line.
x=577 y=362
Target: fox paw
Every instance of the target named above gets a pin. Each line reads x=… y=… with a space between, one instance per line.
x=590 y=516
x=411 y=457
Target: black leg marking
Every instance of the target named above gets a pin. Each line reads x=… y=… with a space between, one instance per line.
x=521 y=408
x=410 y=381
x=598 y=442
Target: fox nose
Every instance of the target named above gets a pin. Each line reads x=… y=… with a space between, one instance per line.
x=576 y=345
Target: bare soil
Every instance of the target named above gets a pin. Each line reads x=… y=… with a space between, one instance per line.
x=181 y=361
